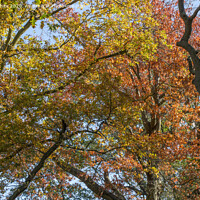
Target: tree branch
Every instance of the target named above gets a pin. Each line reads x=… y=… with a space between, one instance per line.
x=113 y=187
x=192 y=71
x=195 y=12
x=20 y=32
x=25 y=28
x=80 y=74
x=92 y=185
x=184 y=42
x=182 y=10
x=62 y=8
x=8 y=39
x=17 y=151
x=35 y=170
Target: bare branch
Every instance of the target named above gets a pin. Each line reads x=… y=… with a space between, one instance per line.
x=89 y=182
x=195 y=12
x=8 y=38
x=37 y=168
x=182 y=9
x=20 y=32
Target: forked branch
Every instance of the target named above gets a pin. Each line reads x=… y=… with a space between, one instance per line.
x=184 y=42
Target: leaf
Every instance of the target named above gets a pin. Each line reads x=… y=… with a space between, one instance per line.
x=33 y=21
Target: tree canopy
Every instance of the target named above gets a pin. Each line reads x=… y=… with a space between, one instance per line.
x=97 y=99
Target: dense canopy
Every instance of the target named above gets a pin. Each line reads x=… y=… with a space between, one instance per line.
x=99 y=99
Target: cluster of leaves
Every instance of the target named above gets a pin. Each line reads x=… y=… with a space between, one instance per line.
x=108 y=99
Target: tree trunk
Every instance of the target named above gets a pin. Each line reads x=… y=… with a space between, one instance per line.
x=153 y=187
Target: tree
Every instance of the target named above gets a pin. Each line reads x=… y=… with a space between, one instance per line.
x=40 y=111
x=108 y=100
x=184 y=42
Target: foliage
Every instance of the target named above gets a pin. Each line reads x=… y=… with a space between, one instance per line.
x=108 y=99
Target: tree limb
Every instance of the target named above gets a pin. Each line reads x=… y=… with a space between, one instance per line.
x=195 y=12
x=25 y=28
x=184 y=42
x=80 y=74
x=37 y=168
x=89 y=182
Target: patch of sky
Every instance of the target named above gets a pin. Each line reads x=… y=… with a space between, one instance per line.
x=49 y=32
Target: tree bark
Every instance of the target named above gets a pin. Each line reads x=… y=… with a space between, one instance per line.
x=89 y=182
x=184 y=42
x=37 y=168
x=153 y=187
x=33 y=173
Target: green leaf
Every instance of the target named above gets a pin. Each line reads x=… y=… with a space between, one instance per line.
x=33 y=21
x=37 y=2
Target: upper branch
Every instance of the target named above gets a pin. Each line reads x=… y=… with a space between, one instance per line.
x=184 y=42
x=20 y=32
x=61 y=87
x=182 y=10
x=25 y=28
x=195 y=12
x=28 y=24
x=187 y=22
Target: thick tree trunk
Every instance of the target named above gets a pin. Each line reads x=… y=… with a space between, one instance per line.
x=153 y=187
